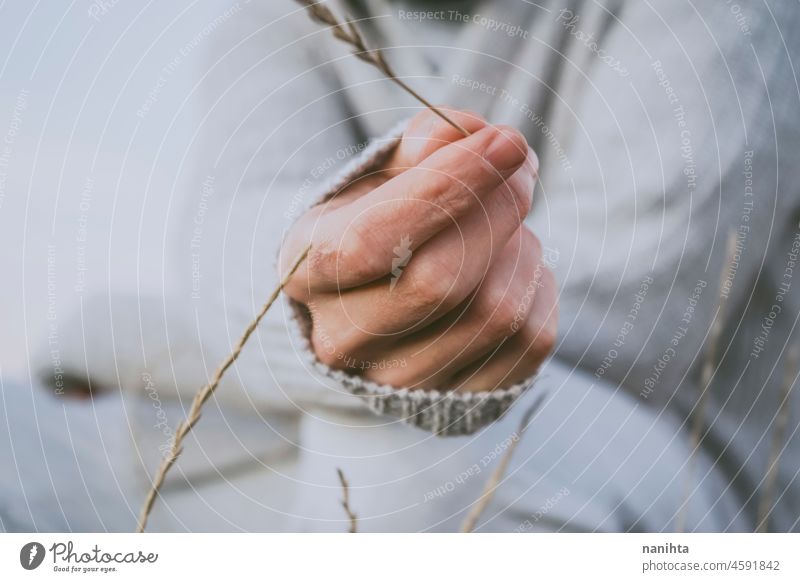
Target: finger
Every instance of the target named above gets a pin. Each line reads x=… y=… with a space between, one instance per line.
x=522 y=355
x=425 y=133
x=490 y=316
x=456 y=260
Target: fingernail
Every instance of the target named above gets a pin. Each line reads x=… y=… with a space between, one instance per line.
x=507 y=150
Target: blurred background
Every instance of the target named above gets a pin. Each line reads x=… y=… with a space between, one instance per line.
x=99 y=106
x=151 y=155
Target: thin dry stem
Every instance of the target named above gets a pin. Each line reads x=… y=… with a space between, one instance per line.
x=204 y=394
x=778 y=434
x=706 y=374
x=346 y=502
x=494 y=479
x=348 y=33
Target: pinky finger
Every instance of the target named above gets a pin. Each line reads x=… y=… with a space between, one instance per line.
x=520 y=356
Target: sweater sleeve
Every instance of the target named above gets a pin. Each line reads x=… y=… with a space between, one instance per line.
x=441 y=412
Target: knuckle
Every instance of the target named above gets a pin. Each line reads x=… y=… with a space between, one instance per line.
x=437 y=184
x=323 y=258
x=507 y=318
x=431 y=284
x=347 y=258
x=359 y=256
x=501 y=309
x=452 y=196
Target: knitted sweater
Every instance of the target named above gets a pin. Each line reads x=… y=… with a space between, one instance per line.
x=663 y=130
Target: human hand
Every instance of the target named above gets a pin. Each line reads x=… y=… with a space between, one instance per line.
x=421 y=273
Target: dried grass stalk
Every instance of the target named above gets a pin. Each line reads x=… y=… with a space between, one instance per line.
x=204 y=394
x=706 y=374
x=346 y=502
x=494 y=480
x=348 y=33
x=778 y=436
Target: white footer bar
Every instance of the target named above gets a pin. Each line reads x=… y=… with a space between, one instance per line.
x=401 y=557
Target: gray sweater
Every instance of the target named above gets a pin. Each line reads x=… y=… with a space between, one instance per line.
x=668 y=202
x=665 y=130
